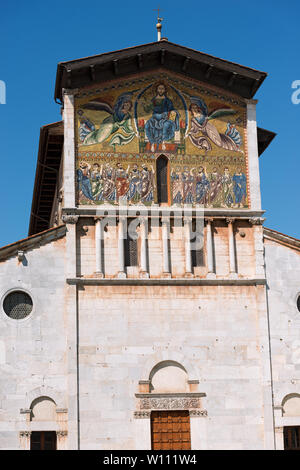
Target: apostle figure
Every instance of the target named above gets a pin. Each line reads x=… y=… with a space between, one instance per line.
x=215 y=181
x=202 y=186
x=109 y=191
x=122 y=182
x=227 y=183
x=177 y=186
x=147 y=184
x=188 y=185
x=83 y=180
x=134 y=192
x=161 y=127
x=96 y=181
x=240 y=188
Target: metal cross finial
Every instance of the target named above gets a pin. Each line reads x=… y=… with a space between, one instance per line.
x=158 y=17
x=159 y=25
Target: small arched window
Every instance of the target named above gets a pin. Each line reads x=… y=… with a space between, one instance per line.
x=131 y=246
x=162 y=179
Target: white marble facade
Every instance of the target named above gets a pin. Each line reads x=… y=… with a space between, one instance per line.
x=108 y=344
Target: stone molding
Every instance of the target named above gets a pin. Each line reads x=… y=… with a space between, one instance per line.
x=61 y=433
x=169 y=281
x=165 y=401
x=169 y=403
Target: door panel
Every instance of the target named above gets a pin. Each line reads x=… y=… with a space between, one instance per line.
x=170 y=430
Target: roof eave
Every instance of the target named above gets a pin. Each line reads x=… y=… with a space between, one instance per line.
x=82 y=72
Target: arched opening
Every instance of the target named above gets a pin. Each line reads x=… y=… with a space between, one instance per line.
x=162 y=176
x=43 y=409
x=168 y=377
x=291 y=405
x=291 y=409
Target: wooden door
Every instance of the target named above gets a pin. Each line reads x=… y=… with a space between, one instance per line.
x=170 y=430
x=292 y=438
x=43 y=440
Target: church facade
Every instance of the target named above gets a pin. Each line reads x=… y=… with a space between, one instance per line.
x=149 y=308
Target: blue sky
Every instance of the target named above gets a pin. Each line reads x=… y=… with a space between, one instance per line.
x=36 y=35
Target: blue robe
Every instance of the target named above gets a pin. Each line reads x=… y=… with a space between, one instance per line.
x=240 y=187
x=202 y=186
x=159 y=127
x=84 y=184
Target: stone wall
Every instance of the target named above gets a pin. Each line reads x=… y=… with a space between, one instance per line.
x=33 y=350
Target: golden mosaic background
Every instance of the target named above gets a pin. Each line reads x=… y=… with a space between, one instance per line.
x=123 y=128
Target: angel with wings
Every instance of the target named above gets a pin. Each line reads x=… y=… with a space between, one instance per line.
x=203 y=131
x=116 y=128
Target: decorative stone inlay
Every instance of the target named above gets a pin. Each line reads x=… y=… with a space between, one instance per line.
x=256 y=220
x=62 y=433
x=196 y=413
x=70 y=219
x=171 y=403
x=142 y=414
x=25 y=433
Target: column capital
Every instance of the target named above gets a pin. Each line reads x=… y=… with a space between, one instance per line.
x=256 y=220
x=25 y=433
x=70 y=219
x=62 y=433
x=165 y=219
x=279 y=430
x=208 y=220
x=70 y=91
x=230 y=220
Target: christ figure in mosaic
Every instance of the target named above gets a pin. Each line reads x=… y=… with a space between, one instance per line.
x=161 y=127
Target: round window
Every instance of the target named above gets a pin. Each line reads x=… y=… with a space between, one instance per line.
x=17 y=305
x=298 y=303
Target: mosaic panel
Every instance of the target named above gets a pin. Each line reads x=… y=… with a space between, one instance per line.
x=122 y=129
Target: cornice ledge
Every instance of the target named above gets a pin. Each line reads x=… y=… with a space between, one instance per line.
x=171 y=395
x=165 y=282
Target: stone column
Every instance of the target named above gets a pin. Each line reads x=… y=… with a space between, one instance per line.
x=257 y=222
x=165 y=241
x=143 y=233
x=98 y=243
x=61 y=443
x=187 y=245
x=231 y=241
x=121 y=251
x=71 y=305
x=69 y=149
x=253 y=164
x=209 y=249
x=25 y=440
